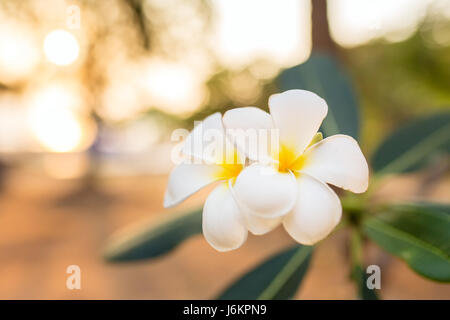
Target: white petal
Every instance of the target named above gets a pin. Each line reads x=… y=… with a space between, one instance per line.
x=186 y=179
x=265 y=192
x=250 y=129
x=207 y=142
x=298 y=115
x=316 y=212
x=338 y=160
x=259 y=226
x=223 y=225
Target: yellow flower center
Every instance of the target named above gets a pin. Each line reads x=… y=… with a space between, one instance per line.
x=289 y=160
x=230 y=171
x=230 y=166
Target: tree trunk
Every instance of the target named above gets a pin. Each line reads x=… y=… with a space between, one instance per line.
x=321 y=39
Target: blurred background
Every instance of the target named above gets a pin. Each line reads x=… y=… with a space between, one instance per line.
x=90 y=92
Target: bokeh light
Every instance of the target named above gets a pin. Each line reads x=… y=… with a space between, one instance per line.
x=19 y=54
x=54 y=122
x=56 y=128
x=173 y=87
x=355 y=22
x=61 y=47
x=278 y=31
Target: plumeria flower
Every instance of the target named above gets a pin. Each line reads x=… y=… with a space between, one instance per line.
x=211 y=157
x=284 y=181
x=287 y=184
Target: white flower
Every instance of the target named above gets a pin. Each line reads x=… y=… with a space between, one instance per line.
x=286 y=181
x=223 y=224
x=294 y=191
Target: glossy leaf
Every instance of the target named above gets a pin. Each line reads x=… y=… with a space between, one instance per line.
x=276 y=278
x=417 y=234
x=155 y=238
x=322 y=75
x=410 y=147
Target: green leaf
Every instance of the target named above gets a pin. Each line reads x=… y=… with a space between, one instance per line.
x=410 y=147
x=155 y=238
x=358 y=274
x=276 y=278
x=322 y=75
x=442 y=207
x=417 y=234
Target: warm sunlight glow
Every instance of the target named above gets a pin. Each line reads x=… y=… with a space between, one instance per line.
x=55 y=123
x=61 y=47
x=56 y=128
x=19 y=53
x=278 y=31
x=355 y=22
x=172 y=87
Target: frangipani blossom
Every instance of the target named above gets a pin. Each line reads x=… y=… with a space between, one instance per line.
x=284 y=180
x=211 y=157
x=288 y=184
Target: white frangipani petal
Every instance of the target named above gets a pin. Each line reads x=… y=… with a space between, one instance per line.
x=255 y=224
x=186 y=179
x=298 y=115
x=316 y=212
x=250 y=129
x=338 y=160
x=265 y=192
x=223 y=224
x=207 y=141
x=259 y=226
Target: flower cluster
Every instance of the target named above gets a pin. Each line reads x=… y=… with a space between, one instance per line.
x=274 y=169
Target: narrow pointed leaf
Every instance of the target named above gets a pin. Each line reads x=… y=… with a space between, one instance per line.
x=417 y=234
x=322 y=75
x=276 y=278
x=410 y=147
x=155 y=238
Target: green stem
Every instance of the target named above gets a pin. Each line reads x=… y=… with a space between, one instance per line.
x=356 y=249
x=358 y=274
x=357 y=206
x=356 y=258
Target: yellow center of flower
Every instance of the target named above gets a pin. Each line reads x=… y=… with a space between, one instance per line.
x=230 y=171
x=289 y=160
x=230 y=166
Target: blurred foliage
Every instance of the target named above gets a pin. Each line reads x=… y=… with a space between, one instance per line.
x=414 y=145
x=155 y=239
x=416 y=233
x=358 y=272
x=277 y=278
x=399 y=81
